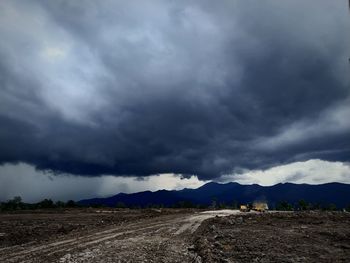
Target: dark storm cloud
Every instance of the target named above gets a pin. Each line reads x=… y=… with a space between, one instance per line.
x=195 y=87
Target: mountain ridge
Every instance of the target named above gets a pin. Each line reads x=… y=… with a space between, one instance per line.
x=232 y=192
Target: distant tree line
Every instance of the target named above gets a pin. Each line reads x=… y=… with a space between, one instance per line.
x=183 y=204
x=302 y=205
x=17 y=204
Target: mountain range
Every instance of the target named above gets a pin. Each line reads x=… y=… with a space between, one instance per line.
x=230 y=193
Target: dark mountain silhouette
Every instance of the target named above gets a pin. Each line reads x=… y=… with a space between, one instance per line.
x=325 y=194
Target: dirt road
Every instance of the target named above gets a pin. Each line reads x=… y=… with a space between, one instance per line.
x=158 y=239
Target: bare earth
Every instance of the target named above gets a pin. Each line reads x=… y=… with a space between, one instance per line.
x=275 y=237
x=128 y=236
x=171 y=235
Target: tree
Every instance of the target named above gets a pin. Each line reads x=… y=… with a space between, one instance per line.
x=17 y=200
x=60 y=204
x=330 y=207
x=14 y=204
x=303 y=205
x=71 y=203
x=284 y=206
x=120 y=205
x=46 y=203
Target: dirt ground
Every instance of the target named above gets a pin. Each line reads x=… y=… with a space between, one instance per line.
x=275 y=237
x=173 y=235
x=41 y=225
x=95 y=235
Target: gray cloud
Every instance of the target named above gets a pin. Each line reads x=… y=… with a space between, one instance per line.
x=196 y=87
x=34 y=185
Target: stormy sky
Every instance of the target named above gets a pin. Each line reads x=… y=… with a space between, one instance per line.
x=173 y=92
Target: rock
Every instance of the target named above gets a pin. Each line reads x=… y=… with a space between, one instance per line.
x=198 y=259
x=191 y=248
x=217 y=244
x=65 y=258
x=218 y=236
x=239 y=220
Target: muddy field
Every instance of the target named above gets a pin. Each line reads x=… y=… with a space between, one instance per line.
x=40 y=226
x=93 y=235
x=275 y=237
x=173 y=235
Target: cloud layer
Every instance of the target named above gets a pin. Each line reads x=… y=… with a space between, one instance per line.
x=35 y=185
x=145 y=87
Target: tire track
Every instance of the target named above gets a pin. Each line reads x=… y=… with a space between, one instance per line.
x=169 y=225
x=81 y=242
